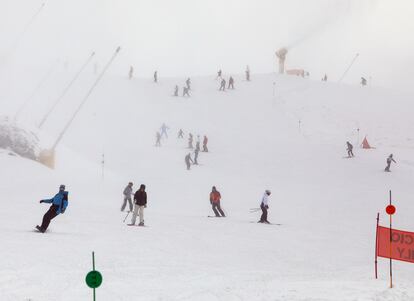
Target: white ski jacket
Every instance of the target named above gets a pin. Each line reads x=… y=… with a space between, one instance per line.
x=265 y=200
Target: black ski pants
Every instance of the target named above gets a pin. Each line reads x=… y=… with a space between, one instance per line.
x=217 y=209
x=49 y=215
x=264 y=208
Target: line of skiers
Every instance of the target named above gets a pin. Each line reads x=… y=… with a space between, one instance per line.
x=186 y=89
x=390 y=158
x=223 y=84
x=187 y=159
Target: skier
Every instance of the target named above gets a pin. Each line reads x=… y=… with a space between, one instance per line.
x=231 y=83
x=198 y=143
x=158 y=142
x=127 y=197
x=215 y=198
x=222 y=85
x=264 y=205
x=190 y=141
x=140 y=198
x=196 y=151
x=156 y=77
x=131 y=72
x=188 y=161
x=164 y=129
x=389 y=160
x=185 y=92
x=248 y=73
x=325 y=78
x=180 y=134
x=363 y=81
x=188 y=83
x=205 y=141
x=59 y=203
x=349 y=149
x=176 y=90
x=218 y=74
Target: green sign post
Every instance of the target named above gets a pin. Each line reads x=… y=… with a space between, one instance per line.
x=93 y=278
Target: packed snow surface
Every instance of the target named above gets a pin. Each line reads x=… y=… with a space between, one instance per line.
x=280 y=133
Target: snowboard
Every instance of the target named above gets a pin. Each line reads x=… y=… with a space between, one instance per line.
x=271 y=224
x=38 y=229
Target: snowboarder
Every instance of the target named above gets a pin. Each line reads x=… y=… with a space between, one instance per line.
x=59 y=204
x=185 y=92
x=156 y=77
x=131 y=72
x=164 y=129
x=215 y=198
x=196 y=151
x=248 y=73
x=127 y=197
x=264 y=205
x=158 y=141
x=349 y=149
x=218 y=74
x=180 y=134
x=190 y=141
x=188 y=161
x=231 y=83
x=389 y=160
x=140 y=199
x=222 y=85
x=205 y=141
x=176 y=90
x=188 y=83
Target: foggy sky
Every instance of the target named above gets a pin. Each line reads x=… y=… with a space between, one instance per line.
x=194 y=37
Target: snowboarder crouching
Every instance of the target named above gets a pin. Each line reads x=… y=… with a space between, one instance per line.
x=59 y=204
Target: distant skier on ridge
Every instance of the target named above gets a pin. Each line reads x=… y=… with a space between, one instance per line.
x=164 y=129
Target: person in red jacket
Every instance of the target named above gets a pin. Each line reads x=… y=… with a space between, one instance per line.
x=215 y=198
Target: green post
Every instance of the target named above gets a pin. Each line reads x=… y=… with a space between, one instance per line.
x=93 y=278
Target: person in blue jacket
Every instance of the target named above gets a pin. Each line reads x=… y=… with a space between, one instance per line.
x=59 y=203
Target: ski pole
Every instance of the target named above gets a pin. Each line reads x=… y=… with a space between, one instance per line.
x=126 y=216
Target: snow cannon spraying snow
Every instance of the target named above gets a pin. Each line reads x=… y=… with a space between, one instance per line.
x=281 y=54
x=23 y=142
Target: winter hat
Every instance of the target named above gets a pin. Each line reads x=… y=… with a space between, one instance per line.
x=142 y=187
x=62 y=187
x=268 y=191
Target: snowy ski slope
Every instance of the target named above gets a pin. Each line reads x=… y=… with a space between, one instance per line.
x=327 y=205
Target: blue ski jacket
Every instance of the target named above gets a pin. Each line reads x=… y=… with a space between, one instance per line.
x=60 y=200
